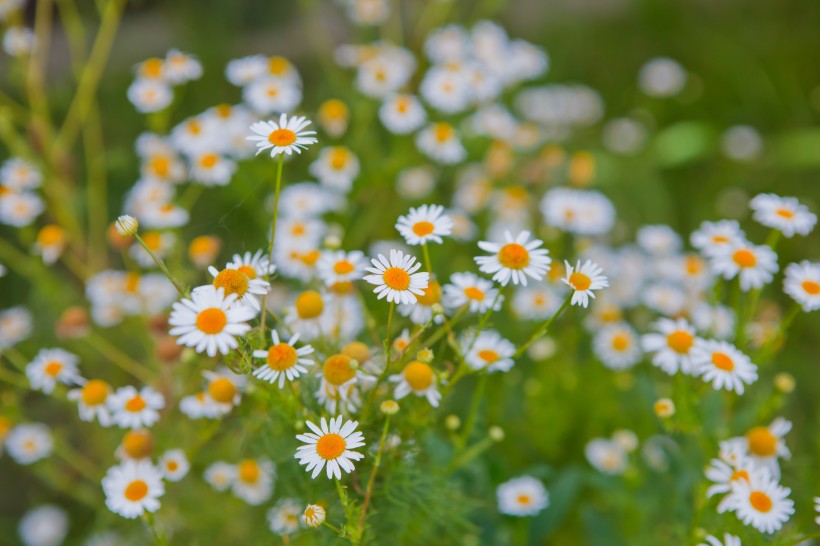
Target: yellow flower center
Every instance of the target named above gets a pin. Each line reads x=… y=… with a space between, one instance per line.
x=811 y=287
x=152 y=240
x=151 y=68
x=396 y=278
x=723 y=362
x=680 y=341
x=343 y=267
x=760 y=501
x=330 y=446
x=282 y=137
x=222 y=390
x=337 y=369
x=232 y=281
x=136 y=490
x=488 y=355
x=281 y=357
x=474 y=293
x=135 y=404
x=418 y=375
x=211 y=321
x=138 y=444
x=309 y=304
x=95 y=392
x=744 y=258
x=51 y=235
x=443 y=132
x=357 y=350
x=309 y=258
x=160 y=165
x=402 y=104
x=785 y=213
x=762 y=442
x=132 y=282
x=249 y=471
x=224 y=110
x=523 y=499
x=278 y=65
x=171 y=466
x=720 y=239
x=620 y=342
x=514 y=256
x=204 y=246
x=194 y=127
x=338 y=158
x=208 y=161
x=739 y=475
x=579 y=281
x=52 y=369
x=694 y=265
x=423 y=228
x=432 y=294
x=247 y=270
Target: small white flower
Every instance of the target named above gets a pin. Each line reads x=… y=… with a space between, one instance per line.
x=133 y=409
x=802 y=283
x=672 y=344
x=515 y=259
x=285 y=137
x=174 y=465
x=417 y=378
x=617 y=346
x=283 y=361
x=285 y=517
x=126 y=225
x=52 y=366
x=755 y=265
x=28 y=443
x=470 y=289
x=440 y=142
x=488 y=351
x=253 y=482
x=330 y=444
x=46 y=525
x=760 y=502
x=720 y=363
x=133 y=488
x=314 y=515
x=397 y=279
x=522 y=496
x=584 y=280
x=427 y=223
x=784 y=214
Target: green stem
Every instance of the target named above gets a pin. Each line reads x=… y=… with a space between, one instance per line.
x=372 y=480
x=273 y=231
x=427 y=261
x=478 y=393
x=544 y=327
x=157 y=260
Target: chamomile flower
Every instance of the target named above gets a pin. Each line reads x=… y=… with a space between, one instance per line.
x=224 y=388
x=515 y=259
x=720 y=363
x=537 y=302
x=52 y=366
x=46 y=525
x=714 y=238
x=606 y=456
x=91 y=401
x=488 y=351
x=334 y=116
x=15 y=326
x=672 y=343
x=423 y=310
x=199 y=406
x=132 y=408
x=285 y=518
x=755 y=265
x=339 y=266
x=658 y=240
x=314 y=515
x=220 y=475
x=617 y=346
x=174 y=465
x=133 y=488
x=283 y=361
x=181 y=67
x=331 y=445
x=29 y=443
x=765 y=444
x=402 y=114
x=236 y=280
x=211 y=168
x=254 y=481
x=723 y=473
x=802 y=283
x=417 y=378
x=240 y=72
x=20 y=209
x=441 y=143
x=285 y=137
x=728 y=540
x=209 y=321
x=150 y=95
x=268 y=95
x=471 y=290
x=336 y=167
x=760 y=502
x=20 y=175
x=784 y=214
x=425 y=224
x=584 y=280
x=583 y=212
x=522 y=496
x=397 y=279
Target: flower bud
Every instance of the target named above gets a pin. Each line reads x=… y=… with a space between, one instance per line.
x=664 y=408
x=126 y=225
x=425 y=355
x=452 y=422
x=496 y=434
x=314 y=515
x=390 y=407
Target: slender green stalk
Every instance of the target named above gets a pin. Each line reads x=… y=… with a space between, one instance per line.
x=544 y=327
x=278 y=190
x=370 y=483
x=125 y=362
x=427 y=261
x=157 y=260
x=159 y=537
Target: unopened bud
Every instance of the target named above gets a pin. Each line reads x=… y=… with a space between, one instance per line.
x=784 y=382
x=452 y=422
x=390 y=407
x=314 y=515
x=496 y=434
x=126 y=225
x=425 y=355
x=664 y=408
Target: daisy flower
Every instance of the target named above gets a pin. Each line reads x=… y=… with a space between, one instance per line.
x=728 y=540
x=20 y=175
x=724 y=473
x=760 y=502
x=52 y=366
x=285 y=518
x=150 y=95
x=174 y=465
x=583 y=212
x=314 y=515
x=29 y=443
x=199 y=406
x=424 y=224
x=516 y=259
x=331 y=445
x=488 y=351
x=234 y=281
x=181 y=67
x=721 y=363
x=220 y=475
x=802 y=283
x=417 y=378
x=131 y=408
x=440 y=142
x=658 y=240
x=338 y=266
x=254 y=481
x=284 y=137
x=15 y=326
x=268 y=95
x=51 y=241
x=606 y=456
x=133 y=488
x=470 y=289
x=754 y=264
x=397 y=279
x=765 y=445
x=713 y=238
x=211 y=168
x=253 y=265
x=784 y=214
x=283 y=360
x=91 y=401
x=46 y=525
x=584 y=280
x=617 y=346
x=224 y=388
x=402 y=114
x=537 y=302
x=336 y=167
x=522 y=496
x=209 y=321
x=672 y=344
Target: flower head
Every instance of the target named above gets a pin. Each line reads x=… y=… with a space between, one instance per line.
x=584 y=280
x=210 y=321
x=396 y=279
x=427 y=223
x=515 y=259
x=330 y=445
x=285 y=137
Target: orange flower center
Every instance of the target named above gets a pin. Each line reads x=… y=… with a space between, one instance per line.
x=418 y=375
x=396 y=278
x=278 y=65
x=152 y=240
x=51 y=235
x=443 y=132
x=402 y=104
x=357 y=351
x=723 y=362
x=343 y=267
x=760 y=501
x=785 y=213
x=309 y=304
x=762 y=442
x=135 y=404
x=338 y=158
x=138 y=444
x=222 y=390
x=208 y=161
x=172 y=466
x=680 y=341
x=282 y=137
x=211 y=321
x=474 y=293
x=337 y=369
x=281 y=357
x=523 y=499
x=52 y=369
x=152 y=68
x=811 y=287
x=423 y=228
x=620 y=342
x=744 y=258
x=579 y=281
x=330 y=446
x=432 y=294
x=488 y=355
x=136 y=490
x=249 y=471
x=739 y=475
x=232 y=281
x=95 y=392
x=514 y=256
x=247 y=270
x=132 y=282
